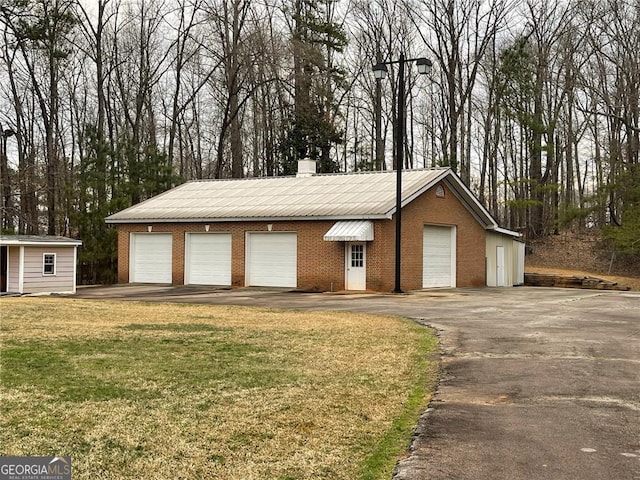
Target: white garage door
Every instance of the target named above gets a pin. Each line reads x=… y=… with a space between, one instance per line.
x=272 y=259
x=208 y=259
x=438 y=257
x=150 y=258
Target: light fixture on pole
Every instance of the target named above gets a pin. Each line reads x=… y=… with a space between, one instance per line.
x=5 y=180
x=380 y=71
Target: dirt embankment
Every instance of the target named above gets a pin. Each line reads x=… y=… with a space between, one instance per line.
x=580 y=254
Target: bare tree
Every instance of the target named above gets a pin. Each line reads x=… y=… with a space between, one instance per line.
x=459 y=35
x=41 y=30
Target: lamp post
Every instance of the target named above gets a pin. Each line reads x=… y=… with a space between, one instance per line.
x=380 y=71
x=7 y=219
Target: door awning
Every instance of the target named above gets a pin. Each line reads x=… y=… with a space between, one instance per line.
x=350 y=231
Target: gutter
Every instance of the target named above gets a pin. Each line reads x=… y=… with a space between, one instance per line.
x=504 y=231
x=246 y=219
x=18 y=243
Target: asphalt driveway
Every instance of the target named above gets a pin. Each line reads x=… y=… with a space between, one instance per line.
x=537 y=383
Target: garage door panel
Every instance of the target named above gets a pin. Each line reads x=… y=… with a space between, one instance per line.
x=438 y=256
x=151 y=258
x=272 y=259
x=208 y=259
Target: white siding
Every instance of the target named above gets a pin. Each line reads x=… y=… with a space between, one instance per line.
x=34 y=279
x=13 y=273
x=495 y=240
x=518 y=260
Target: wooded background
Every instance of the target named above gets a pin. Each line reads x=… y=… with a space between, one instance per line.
x=104 y=103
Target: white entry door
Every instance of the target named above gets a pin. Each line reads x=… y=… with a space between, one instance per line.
x=499 y=266
x=356 y=266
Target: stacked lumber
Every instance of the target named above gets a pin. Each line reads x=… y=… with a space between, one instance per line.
x=565 y=281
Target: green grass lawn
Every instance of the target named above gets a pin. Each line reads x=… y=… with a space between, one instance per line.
x=158 y=391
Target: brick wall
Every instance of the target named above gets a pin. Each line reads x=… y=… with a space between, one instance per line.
x=429 y=209
x=321 y=264
x=426 y=210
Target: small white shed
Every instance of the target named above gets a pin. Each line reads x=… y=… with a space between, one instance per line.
x=38 y=264
x=505 y=258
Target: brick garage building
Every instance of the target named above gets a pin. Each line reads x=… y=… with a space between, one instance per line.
x=313 y=232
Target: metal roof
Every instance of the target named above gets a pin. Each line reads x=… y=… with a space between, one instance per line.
x=38 y=240
x=350 y=231
x=366 y=195
x=343 y=196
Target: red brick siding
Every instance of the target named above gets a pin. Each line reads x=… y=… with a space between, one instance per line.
x=426 y=210
x=380 y=257
x=321 y=264
x=470 y=238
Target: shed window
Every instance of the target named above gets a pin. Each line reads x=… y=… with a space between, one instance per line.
x=49 y=264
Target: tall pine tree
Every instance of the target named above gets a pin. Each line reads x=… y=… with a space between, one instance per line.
x=312 y=128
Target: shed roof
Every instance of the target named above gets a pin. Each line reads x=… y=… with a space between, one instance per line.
x=39 y=240
x=346 y=196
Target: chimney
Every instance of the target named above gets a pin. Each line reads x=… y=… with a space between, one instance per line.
x=306 y=168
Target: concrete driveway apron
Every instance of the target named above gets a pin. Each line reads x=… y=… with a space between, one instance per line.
x=537 y=383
